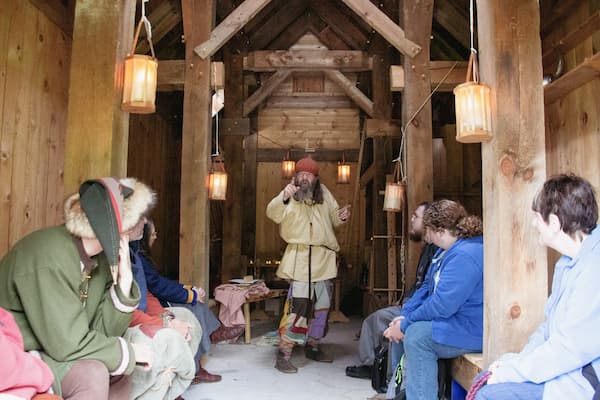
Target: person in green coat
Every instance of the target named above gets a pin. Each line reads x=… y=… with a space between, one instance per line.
x=71 y=291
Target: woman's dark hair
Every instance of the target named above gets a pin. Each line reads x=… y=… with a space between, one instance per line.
x=572 y=199
x=451 y=215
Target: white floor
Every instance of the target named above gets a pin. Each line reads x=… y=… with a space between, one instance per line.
x=248 y=371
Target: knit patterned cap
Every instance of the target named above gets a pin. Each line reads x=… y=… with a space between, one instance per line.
x=307 y=164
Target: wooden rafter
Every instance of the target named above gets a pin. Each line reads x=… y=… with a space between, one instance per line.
x=291 y=34
x=344 y=60
x=453 y=21
x=170 y=76
x=230 y=26
x=278 y=22
x=265 y=90
x=163 y=18
x=343 y=26
x=351 y=90
x=384 y=26
x=437 y=69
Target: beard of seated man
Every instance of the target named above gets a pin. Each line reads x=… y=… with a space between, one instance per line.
x=308 y=191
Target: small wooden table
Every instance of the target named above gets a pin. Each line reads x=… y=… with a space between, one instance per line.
x=273 y=294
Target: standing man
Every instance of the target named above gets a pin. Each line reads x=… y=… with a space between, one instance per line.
x=371 y=332
x=307 y=214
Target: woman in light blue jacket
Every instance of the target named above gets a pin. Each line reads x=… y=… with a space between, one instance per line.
x=550 y=366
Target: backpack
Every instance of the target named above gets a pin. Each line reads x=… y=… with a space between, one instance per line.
x=379 y=370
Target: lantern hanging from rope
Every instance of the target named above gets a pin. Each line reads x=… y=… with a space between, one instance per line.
x=343 y=171
x=217 y=179
x=139 y=74
x=393 y=200
x=472 y=102
x=288 y=167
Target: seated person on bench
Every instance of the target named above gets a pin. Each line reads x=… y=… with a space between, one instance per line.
x=565 y=350
x=444 y=318
x=371 y=332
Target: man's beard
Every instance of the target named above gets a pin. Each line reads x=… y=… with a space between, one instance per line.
x=304 y=192
x=415 y=236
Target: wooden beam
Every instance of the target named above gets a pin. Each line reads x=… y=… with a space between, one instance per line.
x=170 y=75
x=230 y=26
x=289 y=12
x=367 y=176
x=586 y=71
x=309 y=102
x=291 y=34
x=453 y=21
x=418 y=18
x=343 y=60
x=351 y=90
x=465 y=368
x=102 y=150
x=572 y=39
x=437 y=70
x=165 y=17
x=233 y=126
x=265 y=90
x=343 y=26
x=277 y=155
x=513 y=168
x=384 y=26
x=61 y=12
x=379 y=127
x=194 y=236
x=392 y=251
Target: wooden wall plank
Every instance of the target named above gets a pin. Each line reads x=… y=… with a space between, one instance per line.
x=513 y=170
x=34 y=71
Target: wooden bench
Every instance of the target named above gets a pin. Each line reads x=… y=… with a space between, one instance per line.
x=465 y=368
x=273 y=294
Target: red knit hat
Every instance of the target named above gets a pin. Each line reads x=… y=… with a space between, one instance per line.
x=307 y=164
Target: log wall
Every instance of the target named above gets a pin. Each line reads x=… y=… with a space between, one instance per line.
x=34 y=80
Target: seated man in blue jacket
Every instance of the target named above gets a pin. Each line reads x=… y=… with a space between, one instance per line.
x=444 y=318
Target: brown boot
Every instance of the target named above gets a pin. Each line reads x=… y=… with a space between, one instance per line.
x=284 y=364
x=203 y=376
x=226 y=333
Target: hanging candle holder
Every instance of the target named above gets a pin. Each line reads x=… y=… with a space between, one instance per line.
x=288 y=167
x=395 y=192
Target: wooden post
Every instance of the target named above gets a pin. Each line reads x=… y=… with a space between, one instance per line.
x=419 y=161
x=513 y=170
x=198 y=19
x=97 y=129
x=234 y=160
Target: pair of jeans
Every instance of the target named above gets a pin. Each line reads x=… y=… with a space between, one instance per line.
x=510 y=391
x=421 y=360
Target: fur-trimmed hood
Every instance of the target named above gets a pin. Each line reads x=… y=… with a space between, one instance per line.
x=138 y=203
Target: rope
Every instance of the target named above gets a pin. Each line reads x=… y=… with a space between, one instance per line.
x=478 y=384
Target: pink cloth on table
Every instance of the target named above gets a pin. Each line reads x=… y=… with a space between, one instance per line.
x=232 y=297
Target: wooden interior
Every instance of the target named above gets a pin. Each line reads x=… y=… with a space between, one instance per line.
x=336 y=78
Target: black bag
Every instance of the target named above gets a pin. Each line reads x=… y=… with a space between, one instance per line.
x=444 y=380
x=379 y=371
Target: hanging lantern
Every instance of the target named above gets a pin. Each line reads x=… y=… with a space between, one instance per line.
x=139 y=75
x=343 y=173
x=472 y=101
x=217 y=180
x=139 y=84
x=393 y=200
x=288 y=167
x=473 y=113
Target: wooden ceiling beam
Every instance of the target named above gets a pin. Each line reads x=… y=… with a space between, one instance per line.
x=351 y=90
x=230 y=26
x=343 y=26
x=291 y=34
x=453 y=21
x=265 y=90
x=437 y=69
x=281 y=19
x=163 y=18
x=170 y=75
x=277 y=155
x=344 y=60
x=387 y=28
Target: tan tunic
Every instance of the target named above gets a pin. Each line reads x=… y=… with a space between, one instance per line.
x=301 y=225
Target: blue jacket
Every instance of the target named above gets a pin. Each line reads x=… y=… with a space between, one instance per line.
x=164 y=289
x=569 y=338
x=452 y=296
